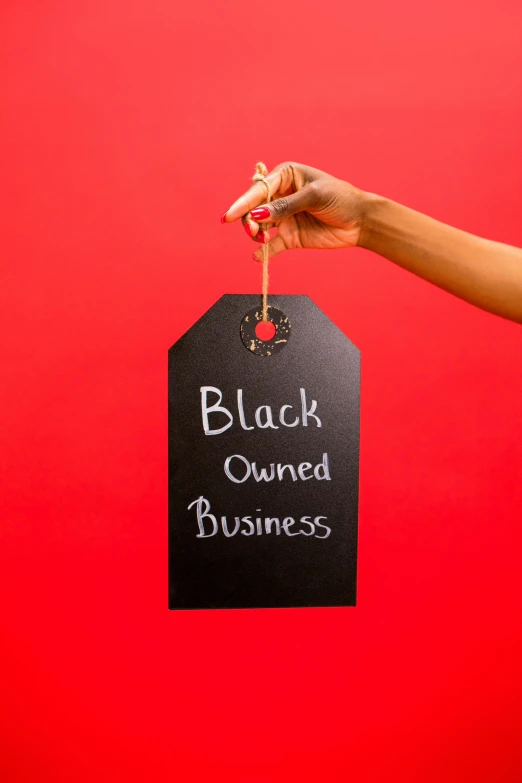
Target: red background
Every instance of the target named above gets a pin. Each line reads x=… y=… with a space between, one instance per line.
x=128 y=128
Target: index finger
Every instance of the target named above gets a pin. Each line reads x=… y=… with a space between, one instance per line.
x=254 y=196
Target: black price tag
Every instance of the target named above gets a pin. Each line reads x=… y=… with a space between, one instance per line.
x=263 y=459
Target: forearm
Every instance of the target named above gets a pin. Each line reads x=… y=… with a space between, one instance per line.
x=487 y=274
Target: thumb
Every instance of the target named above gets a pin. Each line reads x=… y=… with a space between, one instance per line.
x=285 y=206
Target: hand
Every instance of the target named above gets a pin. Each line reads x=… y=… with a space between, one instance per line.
x=309 y=208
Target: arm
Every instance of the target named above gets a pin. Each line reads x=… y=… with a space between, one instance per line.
x=312 y=209
x=487 y=274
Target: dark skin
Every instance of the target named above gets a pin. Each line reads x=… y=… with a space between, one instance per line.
x=312 y=209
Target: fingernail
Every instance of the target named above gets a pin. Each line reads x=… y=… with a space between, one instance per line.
x=260 y=213
x=223 y=216
x=247 y=229
x=254 y=257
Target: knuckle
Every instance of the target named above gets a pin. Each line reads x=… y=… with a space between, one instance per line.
x=289 y=173
x=291 y=168
x=316 y=191
x=279 y=207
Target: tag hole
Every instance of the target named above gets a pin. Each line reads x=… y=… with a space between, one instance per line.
x=265 y=338
x=265 y=330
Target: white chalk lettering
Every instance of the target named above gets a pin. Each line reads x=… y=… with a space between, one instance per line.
x=318 y=524
x=264 y=415
x=291 y=526
x=228 y=472
x=225 y=526
x=282 y=417
x=306 y=413
x=216 y=408
x=248 y=521
x=306 y=521
x=281 y=469
x=326 y=470
x=321 y=471
x=205 y=515
x=269 y=521
x=241 y=410
x=269 y=422
x=288 y=522
x=263 y=473
x=301 y=470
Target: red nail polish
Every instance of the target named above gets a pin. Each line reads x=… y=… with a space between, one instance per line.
x=260 y=213
x=223 y=216
x=247 y=229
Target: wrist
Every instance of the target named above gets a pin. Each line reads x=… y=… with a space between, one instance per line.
x=372 y=208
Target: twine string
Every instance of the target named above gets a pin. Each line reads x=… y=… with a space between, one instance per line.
x=260 y=176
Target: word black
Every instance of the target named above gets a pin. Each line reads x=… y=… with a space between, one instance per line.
x=264 y=418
